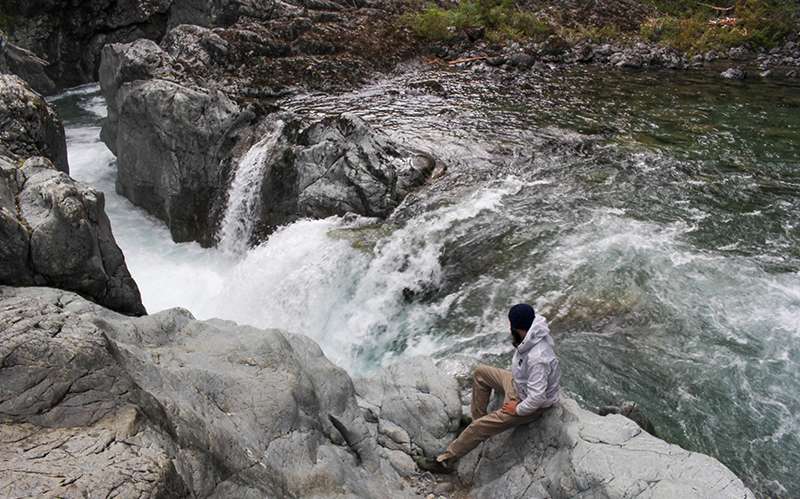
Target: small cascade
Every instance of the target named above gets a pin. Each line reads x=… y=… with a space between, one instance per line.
x=243 y=195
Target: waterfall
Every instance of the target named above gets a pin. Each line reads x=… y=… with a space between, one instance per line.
x=243 y=195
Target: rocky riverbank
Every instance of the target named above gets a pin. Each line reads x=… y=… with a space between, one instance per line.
x=260 y=43
x=95 y=403
x=256 y=49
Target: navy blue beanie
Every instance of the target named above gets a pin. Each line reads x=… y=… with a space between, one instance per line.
x=521 y=316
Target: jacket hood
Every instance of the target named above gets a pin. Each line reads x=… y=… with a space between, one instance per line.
x=539 y=331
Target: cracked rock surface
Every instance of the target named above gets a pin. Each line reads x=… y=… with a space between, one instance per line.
x=415 y=407
x=95 y=403
x=571 y=452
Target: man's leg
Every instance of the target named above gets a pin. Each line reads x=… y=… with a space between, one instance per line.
x=483 y=428
x=484 y=380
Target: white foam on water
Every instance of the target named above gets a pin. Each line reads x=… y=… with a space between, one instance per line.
x=168 y=274
x=87 y=89
x=303 y=280
x=244 y=200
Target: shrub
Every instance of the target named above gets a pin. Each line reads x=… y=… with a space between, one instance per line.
x=761 y=23
x=501 y=19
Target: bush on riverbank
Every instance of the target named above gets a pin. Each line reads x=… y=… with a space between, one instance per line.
x=501 y=19
x=698 y=27
x=690 y=26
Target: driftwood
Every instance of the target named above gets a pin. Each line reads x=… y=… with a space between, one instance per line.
x=720 y=9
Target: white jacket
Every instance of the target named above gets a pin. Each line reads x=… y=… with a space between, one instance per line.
x=535 y=369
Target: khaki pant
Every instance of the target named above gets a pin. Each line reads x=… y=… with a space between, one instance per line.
x=484 y=425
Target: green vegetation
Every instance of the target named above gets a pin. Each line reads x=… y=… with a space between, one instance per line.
x=501 y=19
x=695 y=27
x=691 y=26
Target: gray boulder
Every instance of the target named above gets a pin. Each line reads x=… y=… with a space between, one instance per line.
x=166 y=406
x=336 y=166
x=414 y=407
x=54 y=231
x=26 y=65
x=188 y=132
x=72 y=422
x=734 y=74
x=28 y=126
x=571 y=452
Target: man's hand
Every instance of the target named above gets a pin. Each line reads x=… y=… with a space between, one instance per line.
x=510 y=407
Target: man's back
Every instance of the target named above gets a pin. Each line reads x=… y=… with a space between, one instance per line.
x=535 y=367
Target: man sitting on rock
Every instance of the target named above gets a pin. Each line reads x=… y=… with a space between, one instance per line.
x=530 y=387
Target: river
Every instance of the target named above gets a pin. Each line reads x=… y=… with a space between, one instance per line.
x=652 y=217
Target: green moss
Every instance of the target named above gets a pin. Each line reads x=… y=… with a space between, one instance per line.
x=501 y=19
x=761 y=23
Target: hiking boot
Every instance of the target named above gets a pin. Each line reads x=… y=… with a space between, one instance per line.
x=443 y=467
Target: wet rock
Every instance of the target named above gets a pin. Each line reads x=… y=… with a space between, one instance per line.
x=584 y=53
x=571 y=452
x=25 y=64
x=711 y=55
x=739 y=54
x=54 y=231
x=629 y=60
x=734 y=74
x=335 y=166
x=632 y=411
x=522 y=61
x=165 y=406
x=188 y=131
x=28 y=126
x=417 y=398
x=429 y=86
